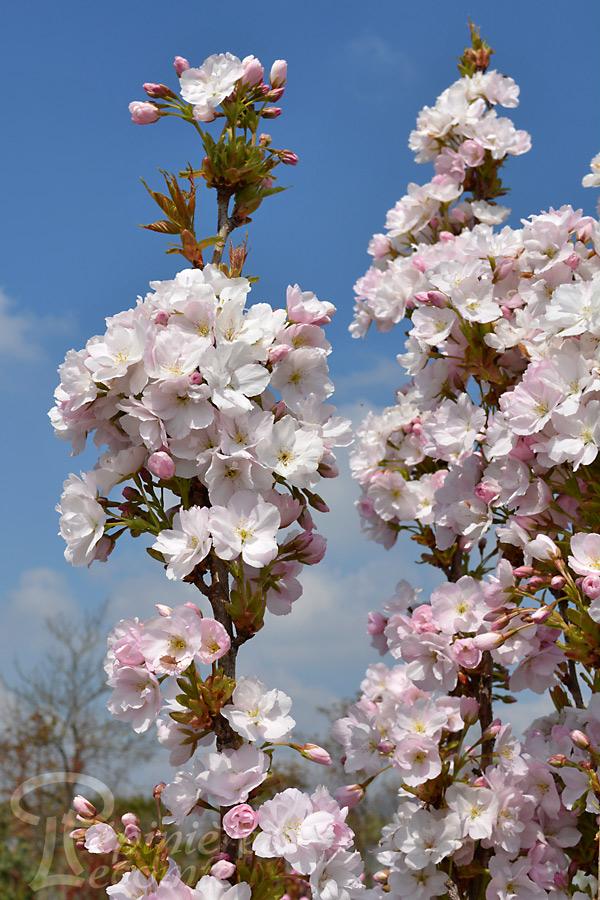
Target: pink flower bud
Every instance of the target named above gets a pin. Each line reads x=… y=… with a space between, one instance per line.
x=180 y=64
x=537 y=581
x=541 y=614
x=523 y=571
x=163 y=610
x=129 y=819
x=275 y=94
x=590 y=586
x=162 y=318
x=386 y=747
x=558 y=760
x=488 y=641
x=240 y=821
x=104 y=548
x=557 y=582
x=492 y=731
x=305 y=520
x=83 y=807
x=158 y=90
x=223 y=869
x=78 y=834
x=500 y=623
x=289 y=158
x=580 y=739
x=278 y=74
x=253 y=71
x=316 y=754
x=196 y=378
x=161 y=465
x=314 y=548
x=271 y=112
x=349 y=795
x=143 y=113
x=469 y=710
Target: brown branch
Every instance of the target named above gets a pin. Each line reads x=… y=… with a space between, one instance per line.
x=453 y=892
x=225 y=225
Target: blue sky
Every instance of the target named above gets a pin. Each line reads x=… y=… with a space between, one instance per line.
x=70 y=163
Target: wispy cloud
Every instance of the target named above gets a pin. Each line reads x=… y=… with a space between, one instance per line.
x=22 y=333
x=373 y=53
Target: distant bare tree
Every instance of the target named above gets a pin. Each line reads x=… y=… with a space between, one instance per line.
x=54 y=717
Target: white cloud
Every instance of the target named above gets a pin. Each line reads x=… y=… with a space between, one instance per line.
x=39 y=595
x=382 y=373
x=22 y=333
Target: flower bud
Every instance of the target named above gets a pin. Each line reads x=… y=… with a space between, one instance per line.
x=558 y=760
x=488 y=641
x=240 y=821
x=158 y=789
x=305 y=520
x=580 y=739
x=349 y=795
x=130 y=819
x=590 y=586
x=161 y=465
x=253 y=71
x=180 y=64
x=557 y=582
x=162 y=318
x=541 y=615
x=271 y=112
x=143 y=113
x=78 y=834
x=83 y=807
x=316 y=754
x=523 y=571
x=158 y=90
x=163 y=610
x=275 y=94
x=278 y=74
x=289 y=158
x=313 y=549
x=223 y=869
x=104 y=548
x=469 y=710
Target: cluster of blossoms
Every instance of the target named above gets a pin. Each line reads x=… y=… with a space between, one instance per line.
x=221 y=78
x=212 y=419
x=467 y=142
x=488 y=459
x=222 y=405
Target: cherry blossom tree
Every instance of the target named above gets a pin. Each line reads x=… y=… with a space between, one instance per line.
x=214 y=431
x=488 y=461
x=213 y=423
